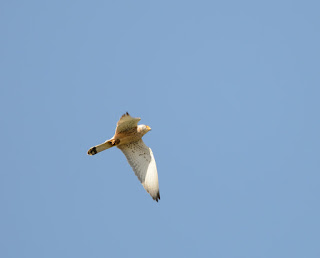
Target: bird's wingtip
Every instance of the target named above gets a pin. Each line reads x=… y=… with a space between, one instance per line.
x=157 y=198
x=125 y=114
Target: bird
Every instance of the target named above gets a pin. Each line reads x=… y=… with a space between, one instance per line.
x=128 y=138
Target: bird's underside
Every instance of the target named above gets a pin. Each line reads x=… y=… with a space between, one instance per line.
x=128 y=138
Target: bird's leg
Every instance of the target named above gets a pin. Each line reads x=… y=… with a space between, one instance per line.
x=115 y=142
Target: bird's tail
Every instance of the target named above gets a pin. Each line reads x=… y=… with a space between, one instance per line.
x=101 y=147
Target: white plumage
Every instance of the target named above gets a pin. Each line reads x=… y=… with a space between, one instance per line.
x=141 y=159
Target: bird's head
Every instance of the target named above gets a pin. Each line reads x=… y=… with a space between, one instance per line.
x=144 y=128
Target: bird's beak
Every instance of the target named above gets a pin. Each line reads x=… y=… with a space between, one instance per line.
x=149 y=128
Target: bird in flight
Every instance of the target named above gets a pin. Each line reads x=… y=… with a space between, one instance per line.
x=128 y=138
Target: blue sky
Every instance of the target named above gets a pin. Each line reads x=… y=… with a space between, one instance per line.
x=231 y=91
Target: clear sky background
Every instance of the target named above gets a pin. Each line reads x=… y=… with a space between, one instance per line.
x=231 y=91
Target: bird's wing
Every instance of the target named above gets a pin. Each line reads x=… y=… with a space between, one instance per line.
x=127 y=122
x=140 y=158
